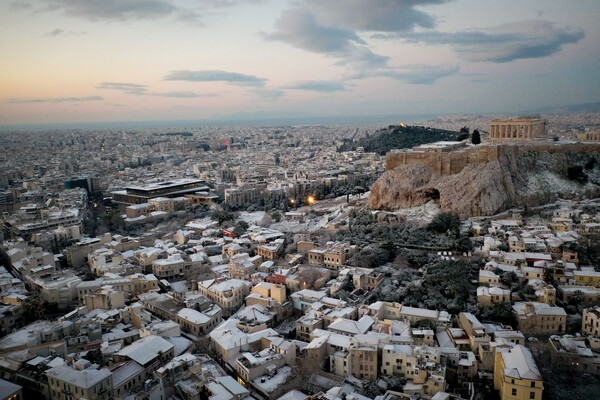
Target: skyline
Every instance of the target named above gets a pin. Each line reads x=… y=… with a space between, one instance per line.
x=71 y=62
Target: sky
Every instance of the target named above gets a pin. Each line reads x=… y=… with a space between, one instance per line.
x=78 y=61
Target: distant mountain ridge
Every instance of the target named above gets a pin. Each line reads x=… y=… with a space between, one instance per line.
x=400 y=137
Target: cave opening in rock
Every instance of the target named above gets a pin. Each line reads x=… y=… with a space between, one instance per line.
x=432 y=194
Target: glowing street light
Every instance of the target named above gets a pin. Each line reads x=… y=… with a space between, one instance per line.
x=311 y=200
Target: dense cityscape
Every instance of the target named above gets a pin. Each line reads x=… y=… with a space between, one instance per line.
x=247 y=263
x=299 y=200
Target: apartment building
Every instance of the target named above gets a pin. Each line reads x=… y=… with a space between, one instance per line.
x=227 y=294
x=540 y=318
x=80 y=381
x=516 y=375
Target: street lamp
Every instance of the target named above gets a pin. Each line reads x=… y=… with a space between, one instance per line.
x=311 y=200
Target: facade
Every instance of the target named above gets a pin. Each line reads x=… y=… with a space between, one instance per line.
x=573 y=355
x=199 y=323
x=517 y=129
x=66 y=382
x=516 y=375
x=586 y=277
x=229 y=294
x=334 y=255
x=143 y=193
x=420 y=365
x=591 y=326
x=492 y=295
x=271 y=251
x=540 y=318
x=171 y=268
x=106 y=298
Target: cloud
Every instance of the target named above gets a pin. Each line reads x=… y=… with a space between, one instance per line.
x=299 y=27
x=184 y=94
x=375 y=16
x=319 y=86
x=20 y=5
x=215 y=76
x=115 y=10
x=331 y=28
x=62 y=32
x=500 y=44
x=417 y=74
x=128 y=88
x=422 y=74
x=55 y=100
x=190 y=17
x=267 y=94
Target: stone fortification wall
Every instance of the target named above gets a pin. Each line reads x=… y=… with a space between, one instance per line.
x=453 y=162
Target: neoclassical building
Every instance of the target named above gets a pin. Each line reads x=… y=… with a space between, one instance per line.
x=517 y=129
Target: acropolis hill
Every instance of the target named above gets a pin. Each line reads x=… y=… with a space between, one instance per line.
x=485 y=179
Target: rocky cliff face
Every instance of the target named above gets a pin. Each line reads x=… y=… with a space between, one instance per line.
x=522 y=178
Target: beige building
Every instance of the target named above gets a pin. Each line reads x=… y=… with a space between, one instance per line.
x=517 y=129
x=270 y=290
x=516 y=375
x=106 y=298
x=540 y=318
x=66 y=382
x=357 y=360
x=492 y=295
x=475 y=330
x=229 y=294
x=420 y=365
x=591 y=326
x=306 y=324
x=587 y=277
x=280 y=352
x=131 y=285
x=570 y=354
x=334 y=255
x=381 y=310
x=199 y=322
x=171 y=268
x=488 y=278
x=271 y=251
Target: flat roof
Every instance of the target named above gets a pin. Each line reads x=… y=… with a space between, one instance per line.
x=165 y=184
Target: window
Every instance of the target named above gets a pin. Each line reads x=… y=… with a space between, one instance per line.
x=514 y=392
x=533 y=384
x=532 y=395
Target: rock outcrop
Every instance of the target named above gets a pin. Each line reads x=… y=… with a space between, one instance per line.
x=519 y=176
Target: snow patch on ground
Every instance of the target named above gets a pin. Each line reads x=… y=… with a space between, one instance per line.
x=252 y=218
x=423 y=213
x=548 y=182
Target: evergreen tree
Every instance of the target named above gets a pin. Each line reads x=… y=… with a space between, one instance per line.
x=476 y=137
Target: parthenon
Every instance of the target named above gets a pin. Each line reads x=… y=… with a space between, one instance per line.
x=517 y=129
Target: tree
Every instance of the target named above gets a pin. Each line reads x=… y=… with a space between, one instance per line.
x=240 y=227
x=476 y=137
x=509 y=278
x=577 y=298
x=444 y=222
x=34 y=307
x=370 y=389
x=222 y=216
x=276 y=215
